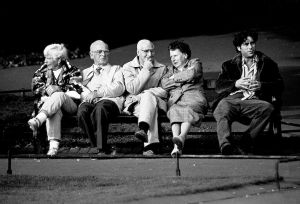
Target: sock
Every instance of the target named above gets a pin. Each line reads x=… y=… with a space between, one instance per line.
x=53 y=144
x=144 y=126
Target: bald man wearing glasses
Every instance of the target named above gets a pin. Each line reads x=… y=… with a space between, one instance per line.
x=145 y=96
x=102 y=98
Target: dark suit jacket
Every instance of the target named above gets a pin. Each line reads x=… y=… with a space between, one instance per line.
x=267 y=73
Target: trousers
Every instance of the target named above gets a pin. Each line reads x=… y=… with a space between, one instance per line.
x=147 y=111
x=94 y=120
x=54 y=107
x=254 y=112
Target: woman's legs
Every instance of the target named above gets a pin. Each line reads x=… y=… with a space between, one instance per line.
x=180 y=131
x=51 y=112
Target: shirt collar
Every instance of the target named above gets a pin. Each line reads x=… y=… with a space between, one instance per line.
x=95 y=67
x=254 y=60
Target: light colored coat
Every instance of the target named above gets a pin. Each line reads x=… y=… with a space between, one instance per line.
x=139 y=80
x=145 y=95
x=111 y=88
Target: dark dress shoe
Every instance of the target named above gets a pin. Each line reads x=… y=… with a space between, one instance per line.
x=141 y=135
x=227 y=149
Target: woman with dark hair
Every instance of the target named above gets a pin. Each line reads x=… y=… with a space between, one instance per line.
x=187 y=103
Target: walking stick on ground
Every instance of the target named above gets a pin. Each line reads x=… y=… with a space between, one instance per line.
x=177 y=165
x=9 y=144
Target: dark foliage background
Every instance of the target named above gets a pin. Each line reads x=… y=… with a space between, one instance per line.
x=31 y=25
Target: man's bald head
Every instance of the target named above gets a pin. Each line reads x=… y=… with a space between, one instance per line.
x=98 y=44
x=142 y=44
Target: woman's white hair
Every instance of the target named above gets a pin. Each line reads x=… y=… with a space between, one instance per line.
x=56 y=51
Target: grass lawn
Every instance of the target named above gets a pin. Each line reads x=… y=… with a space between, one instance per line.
x=112 y=189
x=129 y=180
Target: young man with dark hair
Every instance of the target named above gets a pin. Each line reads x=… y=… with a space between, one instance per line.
x=246 y=86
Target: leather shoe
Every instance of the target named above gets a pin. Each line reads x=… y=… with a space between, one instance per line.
x=102 y=152
x=148 y=153
x=52 y=152
x=177 y=140
x=141 y=135
x=176 y=151
x=227 y=149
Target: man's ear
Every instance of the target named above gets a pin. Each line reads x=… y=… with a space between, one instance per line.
x=91 y=56
x=185 y=56
x=238 y=48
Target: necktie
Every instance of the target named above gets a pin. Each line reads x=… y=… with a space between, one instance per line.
x=98 y=69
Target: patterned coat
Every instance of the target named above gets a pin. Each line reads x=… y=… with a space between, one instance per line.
x=44 y=77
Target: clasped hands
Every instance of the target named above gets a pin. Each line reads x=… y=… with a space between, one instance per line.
x=248 y=84
x=51 y=89
x=54 y=88
x=90 y=96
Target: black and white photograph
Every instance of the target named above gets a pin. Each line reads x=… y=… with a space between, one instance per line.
x=150 y=101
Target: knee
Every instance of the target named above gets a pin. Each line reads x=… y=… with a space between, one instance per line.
x=58 y=96
x=147 y=94
x=148 y=97
x=100 y=108
x=83 y=111
x=222 y=110
x=268 y=108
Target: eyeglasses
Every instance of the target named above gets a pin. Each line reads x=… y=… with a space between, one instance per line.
x=100 y=52
x=150 y=50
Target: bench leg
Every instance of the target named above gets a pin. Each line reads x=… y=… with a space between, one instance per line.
x=37 y=142
x=277 y=178
x=9 y=149
x=9 y=171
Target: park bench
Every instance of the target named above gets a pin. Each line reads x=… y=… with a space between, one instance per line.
x=69 y=122
x=274 y=127
x=207 y=127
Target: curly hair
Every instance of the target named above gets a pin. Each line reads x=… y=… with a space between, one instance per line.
x=241 y=37
x=182 y=46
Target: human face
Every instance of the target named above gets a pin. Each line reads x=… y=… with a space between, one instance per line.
x=146 y=52
x=247 y=49
x=51 y=61
x=178 y=58
x=99 y=53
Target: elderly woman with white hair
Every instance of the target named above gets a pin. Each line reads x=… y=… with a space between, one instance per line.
x=54 y=93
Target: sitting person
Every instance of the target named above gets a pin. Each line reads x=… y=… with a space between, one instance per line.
x=187 y=104
x=245 y=86
x=54 y=92
x=101 y=97
x=142 y=76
